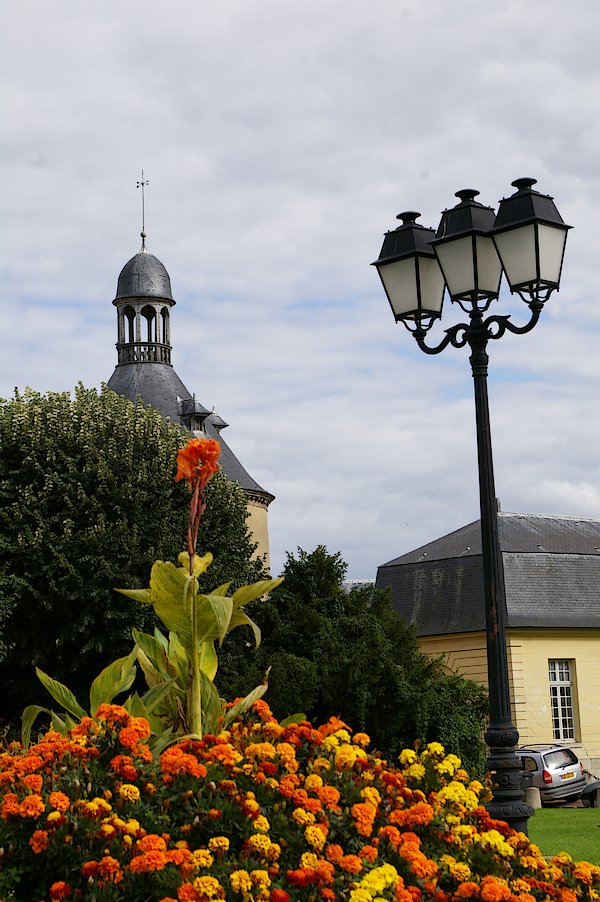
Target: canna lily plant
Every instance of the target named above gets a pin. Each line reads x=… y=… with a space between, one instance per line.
x=182 y=699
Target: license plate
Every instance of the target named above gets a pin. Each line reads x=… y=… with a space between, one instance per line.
x=568 y=776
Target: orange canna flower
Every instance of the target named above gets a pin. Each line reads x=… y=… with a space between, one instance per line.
x=197 y=461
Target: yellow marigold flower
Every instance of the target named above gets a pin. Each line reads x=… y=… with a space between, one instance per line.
x=129 y=792
x=416 y=771
x=360 y=895
x=342 y=735
x=127 y=840
x=330 y=743
x=225 y=736
x=209 y=887
x=370 y=794
x=262 y=751
x=345 y=756
x=133 y=827
x=302 y=817
x=259 y=844
x=492 y=839
x=201 y=858
x=461 y=871
x=53 y=817
x=445 y=768
x=407 y=756
x=273 y=852
x=217 y=844
x=261 y=824
x=309 y=860
x=240 y=882
x=313 y=782
x=321 y=764
x=475 y=786
x=260 y=878
x=315 y=838
x=435 y=748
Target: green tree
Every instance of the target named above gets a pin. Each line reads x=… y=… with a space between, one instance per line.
x=87 y=503
x=349 y=654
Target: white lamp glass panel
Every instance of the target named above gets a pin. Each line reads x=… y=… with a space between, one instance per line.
x=489 y=268
x=552 y=244
x=432 y=285
x=516 y=248
x=400 y=282
x=456 y=260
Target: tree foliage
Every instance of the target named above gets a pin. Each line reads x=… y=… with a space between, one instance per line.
x=87 y=503
x=348 y=653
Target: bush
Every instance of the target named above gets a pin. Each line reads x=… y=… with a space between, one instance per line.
x=87 y=503
x=334 y=651
x=260 y=812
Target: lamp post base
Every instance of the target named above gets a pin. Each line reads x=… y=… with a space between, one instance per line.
x=509 y=799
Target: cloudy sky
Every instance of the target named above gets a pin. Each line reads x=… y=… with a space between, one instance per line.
x=280 y=140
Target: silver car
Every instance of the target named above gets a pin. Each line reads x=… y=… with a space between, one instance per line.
x=555 y=770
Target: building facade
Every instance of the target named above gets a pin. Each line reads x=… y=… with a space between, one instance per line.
x=552 y=580
x=144 y=370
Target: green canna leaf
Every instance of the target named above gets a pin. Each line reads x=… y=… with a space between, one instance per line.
x=142 y=595
x=117 y=677
x=61 y=694
x=249 y=593
x=207 y=659
x=240 y=618
x=247 y=702
x=28 y=718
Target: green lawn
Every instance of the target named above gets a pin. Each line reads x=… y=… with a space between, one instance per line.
x=572 y=830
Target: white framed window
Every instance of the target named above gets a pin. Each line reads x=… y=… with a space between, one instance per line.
x=562 y=674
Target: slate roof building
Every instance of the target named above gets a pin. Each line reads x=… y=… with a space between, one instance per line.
x=144 y=302
x=552 y=580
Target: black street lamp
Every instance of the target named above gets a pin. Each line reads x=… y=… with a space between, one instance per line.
x=467 y=256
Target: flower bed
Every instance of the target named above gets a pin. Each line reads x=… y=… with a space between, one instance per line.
x=260 y=812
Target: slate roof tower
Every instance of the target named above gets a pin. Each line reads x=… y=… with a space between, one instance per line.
x=144 y=302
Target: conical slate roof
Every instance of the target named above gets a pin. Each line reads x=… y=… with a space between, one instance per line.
x=144 y=276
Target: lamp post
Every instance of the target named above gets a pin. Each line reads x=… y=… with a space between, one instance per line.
x=467 y=255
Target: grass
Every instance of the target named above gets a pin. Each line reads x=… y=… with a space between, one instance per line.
x=572 y=830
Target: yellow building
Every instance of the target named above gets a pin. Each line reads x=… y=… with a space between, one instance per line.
x=144 y=370
x=552 y=579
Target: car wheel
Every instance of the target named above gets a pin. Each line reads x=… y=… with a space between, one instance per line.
x=594 y=800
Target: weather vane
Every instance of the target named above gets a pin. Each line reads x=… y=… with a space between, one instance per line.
x=142 y=185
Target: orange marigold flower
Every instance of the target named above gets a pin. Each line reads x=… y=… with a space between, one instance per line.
x=39 y=841
x=59 y=801
x=334 y=852
x=112 y=714
x=123 y=766
x=110 y=869
x=494 y=889
x=279 y=895
x=148 y=861
x=60 y=890
x=197 y=461
x=32 y=806
x=34 y=782
x=10 y=805
x=151 y=843
x=351 y=863
x=467 y=890
x=302 y=877
x=369 y=853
